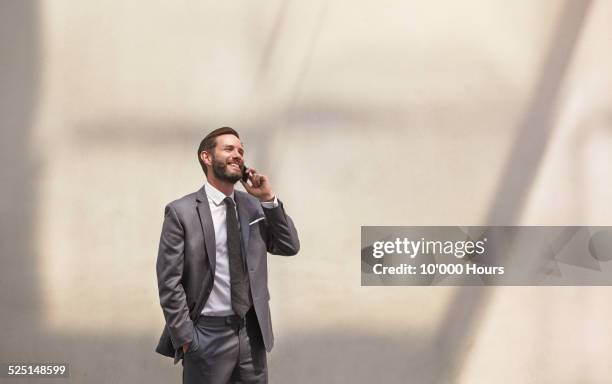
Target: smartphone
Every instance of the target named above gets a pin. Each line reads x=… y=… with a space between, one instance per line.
x=245 y=173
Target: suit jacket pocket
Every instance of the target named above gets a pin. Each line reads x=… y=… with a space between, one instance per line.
x=257 y=220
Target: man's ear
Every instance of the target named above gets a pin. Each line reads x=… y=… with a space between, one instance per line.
x=205 y=156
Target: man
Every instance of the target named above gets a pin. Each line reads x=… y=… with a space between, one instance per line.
x=212 y=268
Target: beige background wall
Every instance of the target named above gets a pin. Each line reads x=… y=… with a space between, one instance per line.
x=362 y=113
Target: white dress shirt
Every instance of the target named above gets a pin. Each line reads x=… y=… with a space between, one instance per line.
x=219 y=302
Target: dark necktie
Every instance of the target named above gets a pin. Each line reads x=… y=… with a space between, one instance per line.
x=238 y=277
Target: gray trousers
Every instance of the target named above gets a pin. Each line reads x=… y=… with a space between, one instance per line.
x=226 y=350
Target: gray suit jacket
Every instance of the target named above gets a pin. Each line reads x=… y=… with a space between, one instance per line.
x=186 y=262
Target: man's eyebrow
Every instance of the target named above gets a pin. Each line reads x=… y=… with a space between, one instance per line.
x=233 y=146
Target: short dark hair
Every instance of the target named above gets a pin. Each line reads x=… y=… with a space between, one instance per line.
x=210 y=142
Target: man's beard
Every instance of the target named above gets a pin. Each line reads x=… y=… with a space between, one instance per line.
x=221 y=172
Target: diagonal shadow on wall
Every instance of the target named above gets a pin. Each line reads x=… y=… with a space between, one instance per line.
x=465 y=313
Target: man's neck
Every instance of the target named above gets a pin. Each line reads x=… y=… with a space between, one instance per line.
x=222 y=186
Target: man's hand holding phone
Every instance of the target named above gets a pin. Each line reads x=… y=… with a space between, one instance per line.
x=259 y=184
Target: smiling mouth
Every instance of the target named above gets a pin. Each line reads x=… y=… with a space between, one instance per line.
x=234 y=166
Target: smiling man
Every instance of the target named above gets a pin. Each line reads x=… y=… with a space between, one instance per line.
x=212 y=268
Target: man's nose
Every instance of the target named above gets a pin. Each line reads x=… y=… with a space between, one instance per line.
x=236 y=156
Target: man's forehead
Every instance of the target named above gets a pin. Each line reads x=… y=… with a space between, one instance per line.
x=229 y=139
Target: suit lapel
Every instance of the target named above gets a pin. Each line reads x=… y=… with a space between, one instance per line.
x=243 y=216
x=208 y=228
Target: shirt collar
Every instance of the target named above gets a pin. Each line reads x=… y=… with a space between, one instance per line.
x=215 y=195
